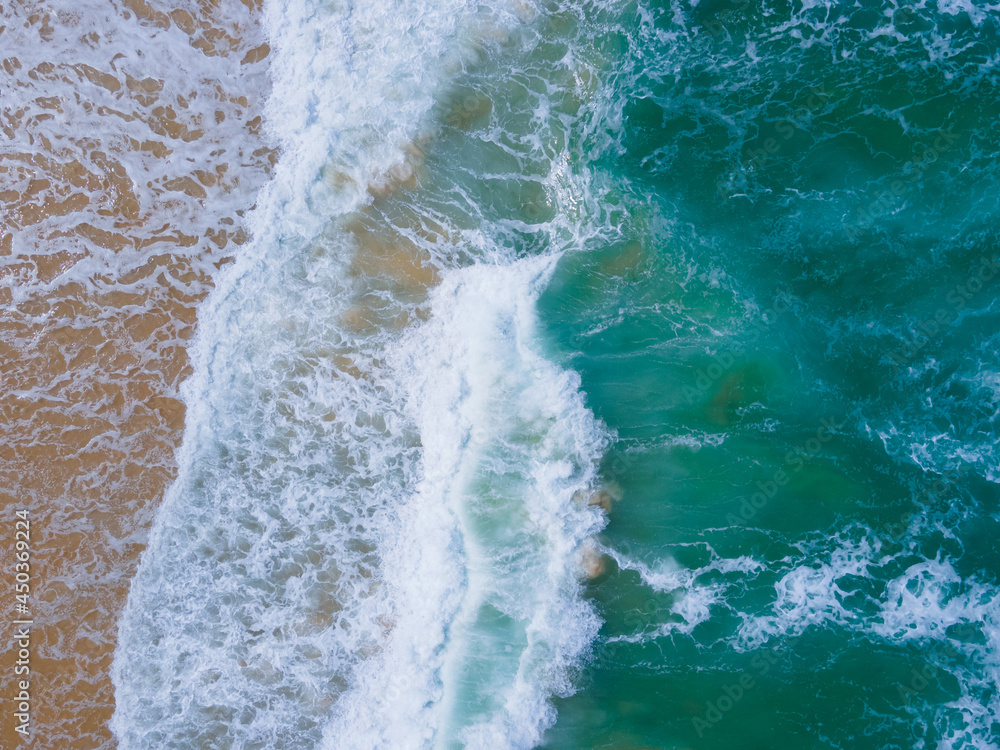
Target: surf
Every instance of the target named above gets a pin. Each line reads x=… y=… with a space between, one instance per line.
x=380 y=525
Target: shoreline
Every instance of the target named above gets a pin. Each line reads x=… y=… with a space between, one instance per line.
x=110 y=240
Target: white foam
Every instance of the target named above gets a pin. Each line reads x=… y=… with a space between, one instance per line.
x=506 y=444
x=925 y=604
x=353 y=86
x=316 y=572
x=978 y=12
x=808 y=595
x=259 y=591
x=99 y=125
x=911 y=430
x=694 y=600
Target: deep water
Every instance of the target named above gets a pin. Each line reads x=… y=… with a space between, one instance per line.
x=800 y=364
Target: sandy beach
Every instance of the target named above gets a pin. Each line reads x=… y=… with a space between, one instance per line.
x=132 y=149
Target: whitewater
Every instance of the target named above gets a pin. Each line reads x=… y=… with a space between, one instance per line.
x=380 y=524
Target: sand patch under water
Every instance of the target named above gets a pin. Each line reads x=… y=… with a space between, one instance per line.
x=133 y=150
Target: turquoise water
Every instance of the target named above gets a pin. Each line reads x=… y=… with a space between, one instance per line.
x=795 y=452
x=600 y=375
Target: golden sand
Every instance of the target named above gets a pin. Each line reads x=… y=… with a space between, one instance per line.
x=121 y=194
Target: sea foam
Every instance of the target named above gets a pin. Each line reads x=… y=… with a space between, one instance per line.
x=377 y=478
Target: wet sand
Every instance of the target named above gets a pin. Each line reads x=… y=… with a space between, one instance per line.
x=132 y=148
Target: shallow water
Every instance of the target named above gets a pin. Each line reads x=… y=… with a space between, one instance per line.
x=131 y=150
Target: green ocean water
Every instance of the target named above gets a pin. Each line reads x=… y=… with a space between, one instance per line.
x=780 y=291
x=795 y=341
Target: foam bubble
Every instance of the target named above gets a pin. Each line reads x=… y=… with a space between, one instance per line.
x=694 y=599
x=492 y=608
x=954 y=619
